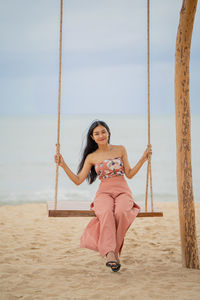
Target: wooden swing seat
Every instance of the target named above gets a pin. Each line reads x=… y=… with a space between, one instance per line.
x=82 y=209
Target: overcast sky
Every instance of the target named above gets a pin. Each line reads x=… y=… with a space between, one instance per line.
x=104 y=56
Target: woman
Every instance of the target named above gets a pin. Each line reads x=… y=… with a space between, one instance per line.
x=113 y=205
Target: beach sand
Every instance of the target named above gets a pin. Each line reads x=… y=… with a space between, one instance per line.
x=40 y=258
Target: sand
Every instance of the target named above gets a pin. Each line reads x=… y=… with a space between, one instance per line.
x=40 y=258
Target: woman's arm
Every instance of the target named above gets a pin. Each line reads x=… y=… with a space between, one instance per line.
x=130 y=172
x=77 y=179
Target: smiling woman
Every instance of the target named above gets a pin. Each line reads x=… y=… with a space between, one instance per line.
x=113 y=205
x=96 y=134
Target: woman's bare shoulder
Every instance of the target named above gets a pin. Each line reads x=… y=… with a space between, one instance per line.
x=118 y=150
x=118 y=147
x=91 y=157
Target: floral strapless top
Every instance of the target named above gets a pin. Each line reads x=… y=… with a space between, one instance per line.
x=109 y=168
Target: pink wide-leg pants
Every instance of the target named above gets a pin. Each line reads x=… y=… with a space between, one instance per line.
x=115 y=210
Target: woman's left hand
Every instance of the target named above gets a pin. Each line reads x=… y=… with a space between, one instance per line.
x=147 y=152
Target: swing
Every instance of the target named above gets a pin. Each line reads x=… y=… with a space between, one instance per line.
x=81 y=209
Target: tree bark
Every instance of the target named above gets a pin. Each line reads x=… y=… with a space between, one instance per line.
x=189 y=247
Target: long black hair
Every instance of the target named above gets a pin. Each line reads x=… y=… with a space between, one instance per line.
x=90 y=147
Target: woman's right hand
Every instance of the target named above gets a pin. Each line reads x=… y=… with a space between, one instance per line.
x=147 y=152
x=59 y=160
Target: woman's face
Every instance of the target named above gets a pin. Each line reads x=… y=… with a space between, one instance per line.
x=100 y=135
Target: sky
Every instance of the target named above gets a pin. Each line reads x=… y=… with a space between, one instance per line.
x=104 y=57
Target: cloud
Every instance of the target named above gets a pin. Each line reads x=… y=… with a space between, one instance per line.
x=104 y=55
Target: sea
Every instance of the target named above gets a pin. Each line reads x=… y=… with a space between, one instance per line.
x=28 y=146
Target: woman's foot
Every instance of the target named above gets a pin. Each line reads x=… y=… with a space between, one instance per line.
x=112 y=261
x=111 y=256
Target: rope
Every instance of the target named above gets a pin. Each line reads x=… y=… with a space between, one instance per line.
x=59 y=97
x=149 y=171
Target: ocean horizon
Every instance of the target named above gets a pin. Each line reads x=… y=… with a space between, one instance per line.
x=28 y=145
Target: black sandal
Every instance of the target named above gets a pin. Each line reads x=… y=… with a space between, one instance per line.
x=116 y=269
x=114 y=265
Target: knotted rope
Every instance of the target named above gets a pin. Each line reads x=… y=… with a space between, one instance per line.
x=59 y=97
x=149 y=171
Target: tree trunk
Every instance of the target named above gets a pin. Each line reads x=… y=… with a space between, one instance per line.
x=190 y=257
